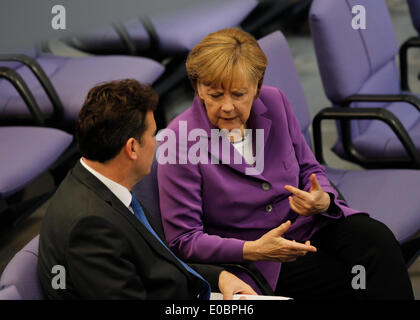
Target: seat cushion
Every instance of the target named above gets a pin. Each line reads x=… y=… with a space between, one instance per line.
x=26 y=152
x=22 y=272
x=390 y=196
x=9 y=293
x=72 y=79
x=179 y=31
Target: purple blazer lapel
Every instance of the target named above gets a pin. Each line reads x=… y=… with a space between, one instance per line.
x=257 y=121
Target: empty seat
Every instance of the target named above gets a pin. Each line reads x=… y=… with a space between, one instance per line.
x=391 y=196
x=171 y=33
x=358 y=65
x=22 y=273
x=26 y=152
x=9 y=293
x=70 y=80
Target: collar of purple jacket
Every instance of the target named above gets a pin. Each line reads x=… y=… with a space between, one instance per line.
x=258 y=119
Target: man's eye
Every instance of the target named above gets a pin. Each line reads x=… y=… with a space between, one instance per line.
x=216 y=95
x=238 y=94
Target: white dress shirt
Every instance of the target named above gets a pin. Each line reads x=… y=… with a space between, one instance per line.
x=244 y=147
x=121 y=192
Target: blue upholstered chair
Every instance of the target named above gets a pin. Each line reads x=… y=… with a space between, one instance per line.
x=9 y=293
x=25 y=153
x=57 y=86
x=170 y=33
x=166 y=37
x=359 y=70
x=21 y=273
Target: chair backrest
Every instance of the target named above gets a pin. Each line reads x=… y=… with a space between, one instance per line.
x=21 y=272
x=414 y=6
x=353 y=59
x=281 y=72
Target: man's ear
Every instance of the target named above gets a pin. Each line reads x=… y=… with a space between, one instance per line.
x=130 y=148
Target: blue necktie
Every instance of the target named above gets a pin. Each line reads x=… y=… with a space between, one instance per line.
x=139 y=213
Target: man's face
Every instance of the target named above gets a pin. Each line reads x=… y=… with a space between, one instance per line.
x=147 y=146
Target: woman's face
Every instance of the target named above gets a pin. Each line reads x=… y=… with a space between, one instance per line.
x=229 y=107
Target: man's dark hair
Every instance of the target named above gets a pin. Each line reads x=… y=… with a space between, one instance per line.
x=112 y=113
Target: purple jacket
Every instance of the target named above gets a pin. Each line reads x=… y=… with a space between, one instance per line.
x=210 y=210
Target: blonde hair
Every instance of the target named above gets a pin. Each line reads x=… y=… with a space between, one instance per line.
x=221 y=54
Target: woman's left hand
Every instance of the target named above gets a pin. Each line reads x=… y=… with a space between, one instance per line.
x=309 y=203
x=229 y=284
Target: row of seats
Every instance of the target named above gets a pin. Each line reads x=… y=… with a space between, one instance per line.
x=164 y=34
x=389 y=195
x=41 y=93
x=50 y=80
x=39 y=89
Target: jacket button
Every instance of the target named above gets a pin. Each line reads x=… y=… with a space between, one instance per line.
x=266 y=186
x=268 y=208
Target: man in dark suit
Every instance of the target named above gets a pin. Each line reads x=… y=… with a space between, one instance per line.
x=95 y=228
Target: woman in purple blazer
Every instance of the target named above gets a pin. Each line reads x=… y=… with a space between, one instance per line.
x=237 y=182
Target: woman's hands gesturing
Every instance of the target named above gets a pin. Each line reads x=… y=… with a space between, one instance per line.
x=273 y=247
x=309 y=203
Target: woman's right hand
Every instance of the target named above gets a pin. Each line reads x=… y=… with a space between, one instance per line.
x=273 y=247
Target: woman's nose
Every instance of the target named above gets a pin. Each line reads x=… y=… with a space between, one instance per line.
x=227 y=105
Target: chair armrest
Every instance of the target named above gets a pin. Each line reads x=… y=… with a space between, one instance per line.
x=254 y=273
x=45 y=82
x=122 y=32
x=153 y=35
x=363 y=114
x=16 y=80
x=129 y=43
x=408 y=98
x=413 y=42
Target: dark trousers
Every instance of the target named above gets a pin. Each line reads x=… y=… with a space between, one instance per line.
x=334 y=271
